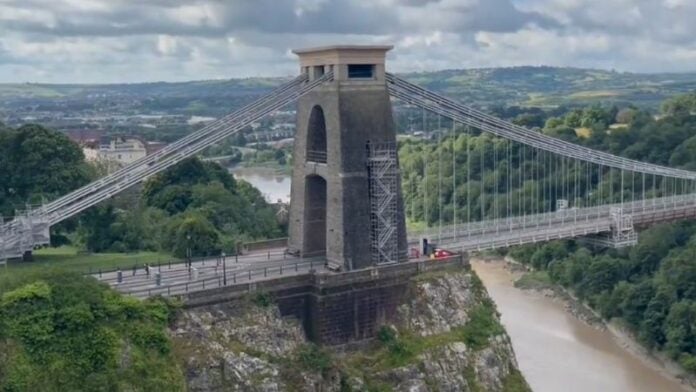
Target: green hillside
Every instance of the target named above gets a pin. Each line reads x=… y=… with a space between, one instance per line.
x=526 y=86
x=550 y=86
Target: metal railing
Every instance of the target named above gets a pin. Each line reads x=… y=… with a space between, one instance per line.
x=220 y=280
x=568 y=223
x=316 y=156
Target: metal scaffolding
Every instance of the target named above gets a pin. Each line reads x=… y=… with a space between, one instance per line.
x=622 y=234
x=384 y=185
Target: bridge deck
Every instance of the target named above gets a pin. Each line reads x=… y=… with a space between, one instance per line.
x=211 y=273
x=502 y=233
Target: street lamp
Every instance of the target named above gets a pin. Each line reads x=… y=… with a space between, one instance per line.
x=224 y=270
x=188 y=249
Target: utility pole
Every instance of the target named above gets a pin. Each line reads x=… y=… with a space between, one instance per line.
x=188 y=250
x=224 y=270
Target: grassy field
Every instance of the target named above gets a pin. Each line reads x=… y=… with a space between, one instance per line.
x=72 y=259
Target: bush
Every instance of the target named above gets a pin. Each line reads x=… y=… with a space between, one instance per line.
x=482 y=325
x=313 y=358
x=63 y=331
x=387 y=334
x=262 y=299
x=400 y=349
x=688 y=361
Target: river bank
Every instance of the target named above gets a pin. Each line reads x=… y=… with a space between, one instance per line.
x=557 y=340
x=624 y=336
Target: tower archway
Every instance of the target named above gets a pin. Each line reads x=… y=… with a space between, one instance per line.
x=315 y=216
x=316 y=136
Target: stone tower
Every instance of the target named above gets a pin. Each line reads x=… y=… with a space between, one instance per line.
x=344 y=129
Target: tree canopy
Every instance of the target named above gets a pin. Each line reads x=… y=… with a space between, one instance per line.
x=194 y=206
x=65 y=332
x=37 y=163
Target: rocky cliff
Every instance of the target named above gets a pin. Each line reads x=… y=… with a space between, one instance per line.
x=445 y=337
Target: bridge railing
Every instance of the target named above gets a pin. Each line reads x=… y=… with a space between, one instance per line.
x=531 y=221
x=138 y=269
x=222 y=279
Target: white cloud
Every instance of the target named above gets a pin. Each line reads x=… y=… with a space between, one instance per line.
x=166 y=45
x=126 y=40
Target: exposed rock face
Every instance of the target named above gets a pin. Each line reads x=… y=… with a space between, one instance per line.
x=244 y=347
x=233 y=347
x=439 y=304
x=445 y=369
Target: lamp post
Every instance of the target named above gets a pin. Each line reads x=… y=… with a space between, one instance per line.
x=188 y=249
x=224 y=270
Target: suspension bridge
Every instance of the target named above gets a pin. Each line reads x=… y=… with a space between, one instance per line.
x=531 y=187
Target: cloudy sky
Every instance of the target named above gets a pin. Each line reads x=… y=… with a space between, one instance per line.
x=89 y=41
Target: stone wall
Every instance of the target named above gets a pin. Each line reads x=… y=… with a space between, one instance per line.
x=334 y=308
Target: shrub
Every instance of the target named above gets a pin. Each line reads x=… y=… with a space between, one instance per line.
x=313 y=358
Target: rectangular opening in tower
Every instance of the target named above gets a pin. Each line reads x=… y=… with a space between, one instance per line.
x=361 y=71
x=384 y=181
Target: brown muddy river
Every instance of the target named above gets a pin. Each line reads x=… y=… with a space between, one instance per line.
x=557 y=352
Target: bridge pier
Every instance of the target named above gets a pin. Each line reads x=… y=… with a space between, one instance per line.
x=335 y=308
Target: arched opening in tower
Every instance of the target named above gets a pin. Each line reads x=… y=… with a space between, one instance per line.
x=316 y=136
x=315 y=216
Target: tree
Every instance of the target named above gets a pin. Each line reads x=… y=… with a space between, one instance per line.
x=685 y=154
x=680 y=328
x=601 y=275
x=680 y=105
x=279 y=156
x=38 y=163
x=611 y=306
x=574 y=118
x=656 y=242
x=529 y=120
x=636 y=301
x=552 y=251
x=192 y=234
x=651 y=328
x=95 y=227
x=678 y=272
x=554 y=122
x=185 y=174
x=625 y=115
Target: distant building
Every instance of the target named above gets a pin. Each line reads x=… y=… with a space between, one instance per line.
x=121 y=150
x=153 y=147
x=114 y=152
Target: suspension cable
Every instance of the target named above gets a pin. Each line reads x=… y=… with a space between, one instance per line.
x=454 y=177
x=439 y=177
